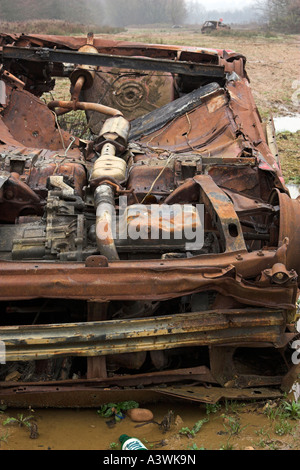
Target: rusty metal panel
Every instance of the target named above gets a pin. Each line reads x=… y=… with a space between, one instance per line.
x=25 y=343
x=181 y=128
x=31 y=123
x=64 y=397
x=46 y=280
x=104 y=60
x=134 y=93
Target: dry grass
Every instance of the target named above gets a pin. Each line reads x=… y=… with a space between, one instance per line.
x=272 y=65
x=56 y=27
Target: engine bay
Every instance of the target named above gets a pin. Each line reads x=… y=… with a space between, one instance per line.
x=166 y=245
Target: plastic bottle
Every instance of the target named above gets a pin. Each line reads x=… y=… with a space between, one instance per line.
x=131 y=443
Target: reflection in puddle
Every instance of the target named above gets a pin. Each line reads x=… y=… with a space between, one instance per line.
x=287 y=123
x=294 y=190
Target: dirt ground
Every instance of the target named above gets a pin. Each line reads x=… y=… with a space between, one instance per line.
x=273 y=63
x=273 y=67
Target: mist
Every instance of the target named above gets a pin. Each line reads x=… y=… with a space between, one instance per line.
x=120 y=12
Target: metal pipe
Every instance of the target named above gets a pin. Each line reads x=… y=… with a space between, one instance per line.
x=105 y=217
x=78 y=87
x=75 y=105
x=108 y=337
x=113 y=138
x=75 y=95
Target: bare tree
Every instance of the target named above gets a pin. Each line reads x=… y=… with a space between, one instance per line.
x=120 y=13
x=82 y=11
x=281 y=15
x=177 y=11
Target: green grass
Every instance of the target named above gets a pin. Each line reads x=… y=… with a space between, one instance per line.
x=195 y=429
x=291 y=409
x=243 y=33
x=212 y=408
x=21 y=420
x=288 y=148
x=283 y=427
x=232 y=425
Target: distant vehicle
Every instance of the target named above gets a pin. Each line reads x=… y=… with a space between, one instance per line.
x=213 y=25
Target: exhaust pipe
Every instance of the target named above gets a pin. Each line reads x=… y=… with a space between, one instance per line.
x=105 y=217
x=112 y=141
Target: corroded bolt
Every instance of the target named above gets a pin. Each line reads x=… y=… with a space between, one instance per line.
x=9 y=194
x=279 y=275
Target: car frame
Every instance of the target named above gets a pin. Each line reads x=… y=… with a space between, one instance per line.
x=85 y=319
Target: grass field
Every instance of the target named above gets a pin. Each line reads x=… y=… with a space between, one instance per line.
x=273 y=65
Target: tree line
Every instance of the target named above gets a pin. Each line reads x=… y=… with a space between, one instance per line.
x=83 y=11
x=280 y=15
x=112 y=12
x=141 y=12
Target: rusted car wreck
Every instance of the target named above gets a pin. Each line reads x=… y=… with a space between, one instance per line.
x=88 y=316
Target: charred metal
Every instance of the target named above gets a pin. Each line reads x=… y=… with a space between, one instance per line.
x=86 y=311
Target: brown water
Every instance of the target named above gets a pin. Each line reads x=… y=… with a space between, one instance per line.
x=234 y=426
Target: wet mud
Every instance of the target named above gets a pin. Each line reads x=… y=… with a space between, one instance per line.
x=227 y=426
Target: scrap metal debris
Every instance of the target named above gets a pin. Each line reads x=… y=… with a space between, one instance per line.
x=161 y=250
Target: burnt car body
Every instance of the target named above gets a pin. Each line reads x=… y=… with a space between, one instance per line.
x=87 y=315
x=213 y=25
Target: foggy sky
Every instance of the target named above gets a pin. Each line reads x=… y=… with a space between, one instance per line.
x=226 y=4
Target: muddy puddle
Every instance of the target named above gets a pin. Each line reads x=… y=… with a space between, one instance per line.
x=188 y=427
x=294 y=190
x=287 y=123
